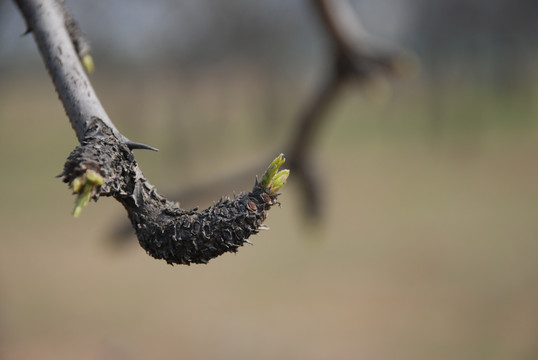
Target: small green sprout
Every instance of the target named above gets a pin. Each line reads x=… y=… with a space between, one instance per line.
x=87 y=61
x=85 y=186
x=273 y=180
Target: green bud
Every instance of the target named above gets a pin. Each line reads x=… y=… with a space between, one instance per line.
x=94 y=178
x=87 y=61
x=85 y=187
x=76 y=185
x=278 y=181
x=273 y=180
x=272 y=170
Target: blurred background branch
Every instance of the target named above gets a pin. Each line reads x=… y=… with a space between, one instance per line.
x=353 y=56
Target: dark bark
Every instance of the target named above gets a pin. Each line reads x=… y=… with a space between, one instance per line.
x=165 y=230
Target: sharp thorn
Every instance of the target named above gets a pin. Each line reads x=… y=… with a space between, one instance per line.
x=134 y=145
x=28 y=30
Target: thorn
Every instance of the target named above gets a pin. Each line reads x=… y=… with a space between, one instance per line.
x=263 y=227
x=134 y=145
x=28 y=30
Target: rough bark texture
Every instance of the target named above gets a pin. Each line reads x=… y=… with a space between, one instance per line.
x=165 y=230
x=185 y=237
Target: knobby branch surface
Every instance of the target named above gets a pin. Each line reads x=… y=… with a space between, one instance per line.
x=104 y=165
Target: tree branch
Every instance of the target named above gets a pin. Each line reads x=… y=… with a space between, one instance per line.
x=104 y=165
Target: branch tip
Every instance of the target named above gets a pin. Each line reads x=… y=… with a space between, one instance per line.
x=273 y=179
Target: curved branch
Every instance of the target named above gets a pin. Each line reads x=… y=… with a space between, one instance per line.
x=104 y=165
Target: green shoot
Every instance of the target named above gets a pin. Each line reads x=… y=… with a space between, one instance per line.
x=85 y=186
x=273 y=179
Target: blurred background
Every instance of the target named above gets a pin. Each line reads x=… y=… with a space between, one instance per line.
x=428 y=242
